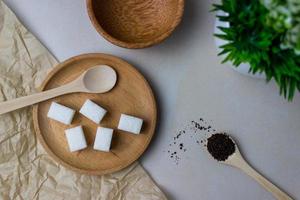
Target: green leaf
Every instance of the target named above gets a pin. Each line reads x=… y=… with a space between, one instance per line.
x=222 y=36
x=292 y=89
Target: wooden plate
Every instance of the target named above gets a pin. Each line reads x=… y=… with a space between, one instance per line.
x=131 y=95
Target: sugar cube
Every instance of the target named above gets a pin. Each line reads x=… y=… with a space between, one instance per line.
x=92 y=111
x=61 y=113
x=130 y=124
x=75 y=138
x=103 y=139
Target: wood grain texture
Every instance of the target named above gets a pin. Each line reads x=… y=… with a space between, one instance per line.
x=135 y=23
x=132 y=95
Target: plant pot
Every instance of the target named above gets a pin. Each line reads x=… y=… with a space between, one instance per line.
x=243 y=68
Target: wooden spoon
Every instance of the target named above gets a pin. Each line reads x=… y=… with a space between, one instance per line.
x=237 y=160
x=98 y=79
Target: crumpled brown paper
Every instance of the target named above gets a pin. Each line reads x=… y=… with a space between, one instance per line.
x=26 y=171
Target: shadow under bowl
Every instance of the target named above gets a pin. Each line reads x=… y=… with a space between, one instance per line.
x=135 y=23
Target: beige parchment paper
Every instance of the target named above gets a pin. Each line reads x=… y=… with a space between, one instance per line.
x=26 y=171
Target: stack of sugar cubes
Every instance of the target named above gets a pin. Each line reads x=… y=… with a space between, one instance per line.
x=75 y=136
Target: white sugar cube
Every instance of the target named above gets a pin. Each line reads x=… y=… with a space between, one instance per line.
x=103 y=139
x=61 y=113
x=92 y=111
x=130 y=124
x=75 y=138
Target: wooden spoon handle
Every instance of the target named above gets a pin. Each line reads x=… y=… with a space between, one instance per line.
x=21 y=102
x=277 y=193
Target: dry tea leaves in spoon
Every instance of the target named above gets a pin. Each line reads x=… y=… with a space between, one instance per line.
x=220 y=146
x=224 y=149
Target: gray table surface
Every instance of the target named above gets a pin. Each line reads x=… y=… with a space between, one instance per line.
x=189 y=82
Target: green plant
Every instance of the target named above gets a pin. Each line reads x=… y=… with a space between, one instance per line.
x=284 y=17
x=251 y=40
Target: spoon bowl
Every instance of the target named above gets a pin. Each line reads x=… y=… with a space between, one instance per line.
x=99 y=79
x=234 y=159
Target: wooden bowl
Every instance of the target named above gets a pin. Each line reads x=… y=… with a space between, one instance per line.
x=135 y=23
x=131 y=95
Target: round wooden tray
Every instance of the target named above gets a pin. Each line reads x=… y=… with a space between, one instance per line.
x=131 y=95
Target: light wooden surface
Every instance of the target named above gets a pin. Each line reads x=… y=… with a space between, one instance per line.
x=135 y=24
x=131 y=95
x=105 y=75
x=237 y=160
